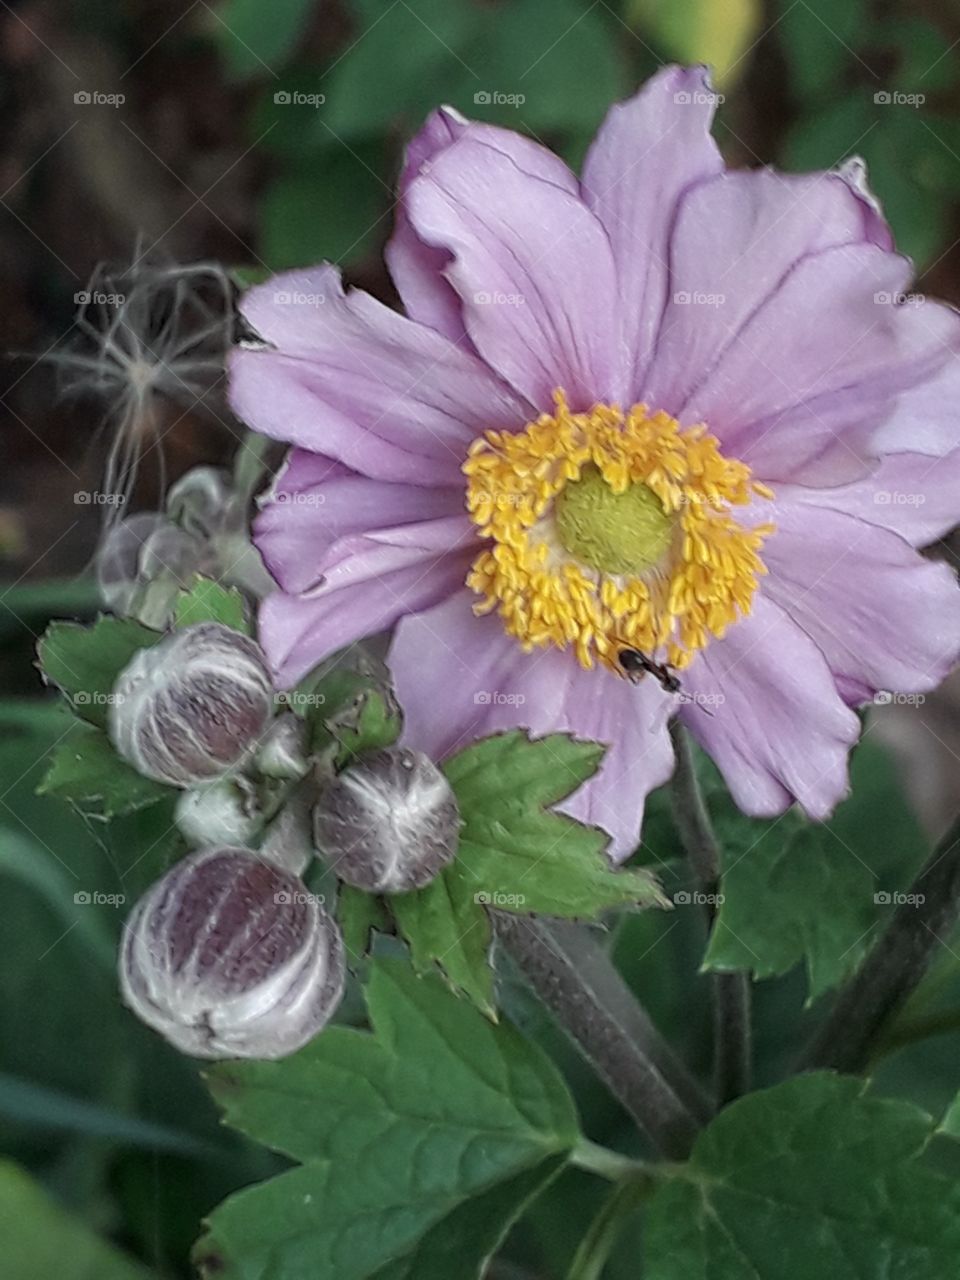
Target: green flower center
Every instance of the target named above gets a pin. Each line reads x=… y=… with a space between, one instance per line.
x=616 y=533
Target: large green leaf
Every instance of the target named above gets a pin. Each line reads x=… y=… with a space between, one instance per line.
x=40 y=1240
x=810 y=1179
x=791 y=894
x=87 y=772
x=795 y=891
x=85 y=661
x=459 y=1246
x=394 y=1130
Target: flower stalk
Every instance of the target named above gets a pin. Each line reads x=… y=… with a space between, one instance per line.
x=636 y=1065
x=731 y=991
x=895 y=966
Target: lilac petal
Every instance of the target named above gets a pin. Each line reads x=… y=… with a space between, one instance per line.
x=912 y=494
x=737 y=237
x=926 y=416
x=302 y=470
x=778 y=730
x=533 y=269
x=854 y=174
x=417 y=268
x=882 y=615
x=356 y=381
x=305 y=516
x=489 y=685
x=368 y=583
x=800 y=394
x=647 y=152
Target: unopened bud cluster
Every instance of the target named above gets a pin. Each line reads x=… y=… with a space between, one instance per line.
x=228 y=954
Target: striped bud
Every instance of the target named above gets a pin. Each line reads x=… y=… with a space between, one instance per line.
x=389 y=823
x=193 y=706
x=228 y=956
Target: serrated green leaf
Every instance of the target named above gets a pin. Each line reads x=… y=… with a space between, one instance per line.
x=347 y=713
x=395 y=1131
x=525 y=773
x=812 y=1178
x=84 y=662
x=520 y=856
x=358 y=913
x=460 y=1245
x=444 y=924
x=209 y=601
x=40 y=1240
x=797 y=892
x=87 y=772
x=791 y=895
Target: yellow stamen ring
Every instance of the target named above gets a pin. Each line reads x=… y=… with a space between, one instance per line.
x=612 y=530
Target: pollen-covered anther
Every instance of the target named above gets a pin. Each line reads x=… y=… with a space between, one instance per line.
x=612 y=529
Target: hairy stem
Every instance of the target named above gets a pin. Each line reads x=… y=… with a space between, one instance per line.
x=895 y=966
x=632 y=1068
x=731 y=991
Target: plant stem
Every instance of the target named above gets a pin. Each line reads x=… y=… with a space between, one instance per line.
x=731 y=991
x=606 y=1163
x=895 y=966
x=625 y=1064
x=597 y=1245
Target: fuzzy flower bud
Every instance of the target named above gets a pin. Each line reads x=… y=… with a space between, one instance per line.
x=388 y=824
x=228 y=956
x=193 y=706
x=221 y=812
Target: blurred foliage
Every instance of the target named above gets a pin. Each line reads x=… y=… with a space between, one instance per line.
x=720 y=33
x=892 y=118
x=857 y=83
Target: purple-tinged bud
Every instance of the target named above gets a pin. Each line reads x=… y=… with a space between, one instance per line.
x=193 y=706
x=228 y=956
x=388 y=824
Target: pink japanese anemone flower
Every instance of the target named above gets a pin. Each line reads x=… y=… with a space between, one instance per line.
x=666 y=408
